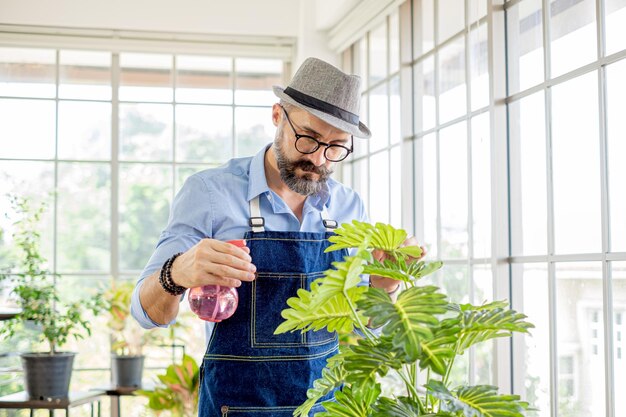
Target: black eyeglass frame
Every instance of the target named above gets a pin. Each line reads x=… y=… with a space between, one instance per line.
x=319 y=143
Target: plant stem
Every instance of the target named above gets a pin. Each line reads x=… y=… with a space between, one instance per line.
x=363 y=328
x=450 y=364
x=412 y=391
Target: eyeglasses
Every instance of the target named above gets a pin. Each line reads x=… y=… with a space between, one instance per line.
x=308 y=145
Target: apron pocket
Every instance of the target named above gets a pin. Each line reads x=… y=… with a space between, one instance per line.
x=270 y=292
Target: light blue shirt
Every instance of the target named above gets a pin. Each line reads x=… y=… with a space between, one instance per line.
x=215 y=204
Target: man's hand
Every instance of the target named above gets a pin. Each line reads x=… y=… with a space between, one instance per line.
x=389 y=284
x=213 y=262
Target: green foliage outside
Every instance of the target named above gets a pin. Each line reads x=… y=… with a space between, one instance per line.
x=33 y=288
x=420 y=335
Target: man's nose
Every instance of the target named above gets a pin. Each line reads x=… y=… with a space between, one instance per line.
x=317 y=157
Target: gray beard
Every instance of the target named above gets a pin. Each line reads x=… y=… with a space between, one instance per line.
x=304 y=185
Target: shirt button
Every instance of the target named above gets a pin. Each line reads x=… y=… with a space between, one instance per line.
x=269 y=196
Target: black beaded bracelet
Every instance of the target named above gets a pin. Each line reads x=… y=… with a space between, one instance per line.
x=165 y=277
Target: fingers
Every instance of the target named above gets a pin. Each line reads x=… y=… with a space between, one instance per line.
x=213 y=262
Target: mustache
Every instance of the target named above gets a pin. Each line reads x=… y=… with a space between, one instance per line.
x=308 y=166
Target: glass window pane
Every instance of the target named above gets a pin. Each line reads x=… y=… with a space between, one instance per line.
x=394 y=43
x=615 y=11
x=525 y=45
x=83 y=242
x=85 y=75
x=29 y=127
x=484 y=353
x=379 y=118
x=254 y=80
x=145 y=77
x=378 y=54
x=481 y=186
x=92 y=349
x=395 y=189
x=452 y=85
x=379 y=187
x=579 y=312
x=360 y=62
x=616 y=103
x=572 y=28
x=477 y=9
x=395 y=124
x=26 y=72
x=456 y=283
x=146 y=132
x=528 y=177
x=84 y=130
x=425 y=102
x=453 y=191
x=33 y=180
x=575 y=145
x=201 y=79
x=254 y=129
x=618 y=278
x=361 y=145
x=204 y=133
x=479 y=71
x=144 y=204
x=533 y=279
x=426 y=190
x=360 y=181
x=451 y=18
x=423 y=26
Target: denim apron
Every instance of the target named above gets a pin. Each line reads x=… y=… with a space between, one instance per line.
x=247 y=370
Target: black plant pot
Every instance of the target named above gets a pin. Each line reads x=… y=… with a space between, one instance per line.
x=47 y=375
x=126 y=371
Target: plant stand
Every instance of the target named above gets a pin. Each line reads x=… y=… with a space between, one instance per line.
x=20 y=400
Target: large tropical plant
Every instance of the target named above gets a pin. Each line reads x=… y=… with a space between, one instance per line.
x=177 y=391
x=419 y=336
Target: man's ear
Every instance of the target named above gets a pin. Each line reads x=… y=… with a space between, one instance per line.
x=276 y=114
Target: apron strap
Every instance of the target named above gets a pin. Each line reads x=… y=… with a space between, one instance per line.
x=256 y=222
x=329 y=224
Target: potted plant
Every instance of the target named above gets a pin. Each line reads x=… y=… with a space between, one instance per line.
x=419 y=335
x=177 y=391
x=127 y=339
x=32 y=287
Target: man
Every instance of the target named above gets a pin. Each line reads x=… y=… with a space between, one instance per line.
x=284 y=204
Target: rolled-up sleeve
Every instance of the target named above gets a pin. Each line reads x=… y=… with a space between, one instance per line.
x=189 y=222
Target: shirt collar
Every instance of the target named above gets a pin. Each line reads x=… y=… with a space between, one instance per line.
x=258 y=183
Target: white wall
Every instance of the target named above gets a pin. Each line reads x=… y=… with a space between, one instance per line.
x=242 y=17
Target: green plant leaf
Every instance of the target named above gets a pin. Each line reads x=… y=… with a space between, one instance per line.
x=435 y=353
x=410 y=320
x=332 y=377
x=478 y=400
x=334 y=315
x=401 y=270
x=381 y=236
x=396 y=407
x=368 y=359
x=351 y=403
x=479 y=325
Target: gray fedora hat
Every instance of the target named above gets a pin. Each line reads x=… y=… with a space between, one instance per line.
x=328 y=93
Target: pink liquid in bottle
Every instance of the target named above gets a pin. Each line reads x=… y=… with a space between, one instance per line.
x=215 y=302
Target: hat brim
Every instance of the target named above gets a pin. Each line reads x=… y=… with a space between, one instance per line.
x=360 y=131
